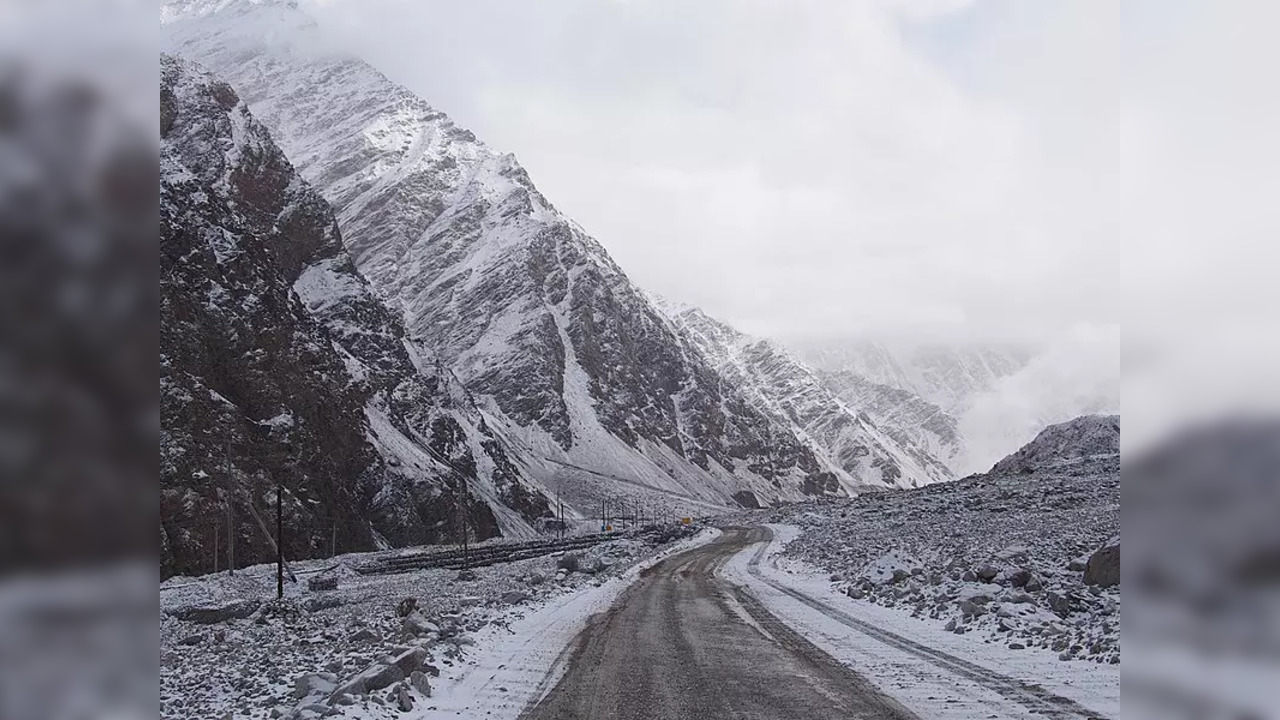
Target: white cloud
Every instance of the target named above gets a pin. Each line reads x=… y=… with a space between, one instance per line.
x=994 y=168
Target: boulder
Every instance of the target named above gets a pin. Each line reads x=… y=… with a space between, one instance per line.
x=406 y=606
x=314 y=684
x=374 y=677
x=536 y=578
x=987 y=572
x=1019 y=577
x=363 y=635
x=415 y=624
x=404 y=700
x=322 y=602
x=237 y=610
x=514 y=597
x=420 y=682
x=569 y=562
x=1060 y=604
x=1103 y=567
x=410 y=660
x=969 y=607
x=322 y=582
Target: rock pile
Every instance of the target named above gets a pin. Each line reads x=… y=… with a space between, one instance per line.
x=1028 y=559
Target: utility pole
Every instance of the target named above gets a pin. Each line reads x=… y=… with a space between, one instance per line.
x=279 y=541
x=231 y=517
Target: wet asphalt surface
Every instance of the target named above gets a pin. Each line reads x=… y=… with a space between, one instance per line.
x=683 y=643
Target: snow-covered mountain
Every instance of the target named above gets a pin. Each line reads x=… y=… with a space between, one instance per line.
x=570 y=363
x=948 y=376
x=858 y=449
x=972 y=404
x=905 y=416
x=279 y=364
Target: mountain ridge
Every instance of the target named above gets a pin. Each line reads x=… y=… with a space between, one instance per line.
x=566 y=358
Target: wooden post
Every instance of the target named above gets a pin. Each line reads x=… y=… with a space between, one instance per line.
x=231 y=513
x=279 y=542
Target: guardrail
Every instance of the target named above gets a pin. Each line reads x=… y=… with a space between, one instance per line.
x=480 y=556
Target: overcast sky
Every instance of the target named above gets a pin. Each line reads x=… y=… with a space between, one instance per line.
x=996 y=169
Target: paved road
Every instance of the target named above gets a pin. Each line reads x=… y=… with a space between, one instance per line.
x=682 y=643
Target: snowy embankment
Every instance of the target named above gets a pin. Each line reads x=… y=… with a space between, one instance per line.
x=418 y=644
x=936 y=673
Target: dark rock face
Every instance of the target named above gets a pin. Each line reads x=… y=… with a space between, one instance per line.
x=280 y=365
x=251 y=391
x=747 y=499
x=1103 y=568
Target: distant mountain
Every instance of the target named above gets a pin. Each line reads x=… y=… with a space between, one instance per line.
x=1084 y=439
x=279 y=364
x=908 y=418
x=859 y=450
x=948 y=376
x=570 y=364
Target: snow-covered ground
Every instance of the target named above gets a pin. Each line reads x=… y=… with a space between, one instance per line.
x=936 y=673
x=998 y=556
x=481 y=640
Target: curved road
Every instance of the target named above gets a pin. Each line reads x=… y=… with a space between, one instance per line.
x=682 y=643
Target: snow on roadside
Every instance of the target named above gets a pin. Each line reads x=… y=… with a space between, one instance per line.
x=516 y=664
x=923 y=686
x=259 y=658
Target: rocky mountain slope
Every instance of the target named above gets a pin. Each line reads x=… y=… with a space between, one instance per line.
x=860 y=451
x=1028 y=558
x=908 y=418
x=1070 y=443
x=947 y=376
x=567 y=359
x=280 y=365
